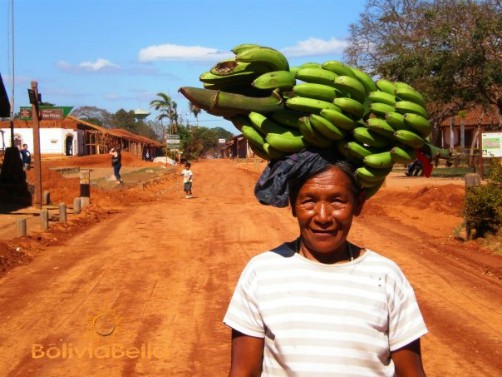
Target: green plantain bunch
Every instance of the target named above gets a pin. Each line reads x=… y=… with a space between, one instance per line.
x=281 y=110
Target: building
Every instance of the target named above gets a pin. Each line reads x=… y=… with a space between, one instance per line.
x=72 y=136
x=464 y=129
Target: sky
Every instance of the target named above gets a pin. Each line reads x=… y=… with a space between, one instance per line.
x=118 y=54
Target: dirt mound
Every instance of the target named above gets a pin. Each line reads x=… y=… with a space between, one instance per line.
x=448 y=199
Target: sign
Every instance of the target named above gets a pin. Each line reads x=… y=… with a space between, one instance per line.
x=221 y=141
x=46 y=112
x=173 y=140
x=491 y=144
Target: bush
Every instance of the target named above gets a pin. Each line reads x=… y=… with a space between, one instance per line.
x=483 y=204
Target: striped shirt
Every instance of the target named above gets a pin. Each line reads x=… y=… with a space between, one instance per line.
x=325 y=320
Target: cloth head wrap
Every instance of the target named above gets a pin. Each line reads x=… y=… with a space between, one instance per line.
x=273 y=185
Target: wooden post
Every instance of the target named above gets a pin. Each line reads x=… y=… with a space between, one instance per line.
x=21 y=227
x=76 y=206
x=36 y=146
x=62 y=212
x=44 y=219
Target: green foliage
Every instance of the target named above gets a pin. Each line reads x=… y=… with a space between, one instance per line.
x=483 y=204
x=449 y=50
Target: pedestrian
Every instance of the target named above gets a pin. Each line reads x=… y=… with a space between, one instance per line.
x=187 y=180
x=321 y=305
x=25 y=157
x=117 y=164
x=415 y=168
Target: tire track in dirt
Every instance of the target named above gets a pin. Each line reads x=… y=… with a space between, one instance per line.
x=461 y=304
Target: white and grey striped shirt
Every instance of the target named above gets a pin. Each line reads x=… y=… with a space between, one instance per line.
x=325 y=320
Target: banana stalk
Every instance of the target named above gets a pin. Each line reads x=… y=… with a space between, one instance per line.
x=217 y=102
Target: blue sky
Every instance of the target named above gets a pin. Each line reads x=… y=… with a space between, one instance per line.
x=118 y=54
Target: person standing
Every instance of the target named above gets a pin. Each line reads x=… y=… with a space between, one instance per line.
x=117 y=164
x=25 y=157
x=187 y=180
x=321 y=305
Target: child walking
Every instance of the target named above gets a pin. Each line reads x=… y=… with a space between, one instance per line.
x=187 y=180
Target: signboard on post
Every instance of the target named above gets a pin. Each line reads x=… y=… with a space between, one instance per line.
x=491 y=144
x=45 y=112
x=173 y=141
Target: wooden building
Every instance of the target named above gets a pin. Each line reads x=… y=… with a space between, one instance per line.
x=73 y=136
x=461 y=132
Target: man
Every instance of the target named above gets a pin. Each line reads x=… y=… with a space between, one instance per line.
x=25 y=157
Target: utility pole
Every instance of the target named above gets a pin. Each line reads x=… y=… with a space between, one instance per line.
x=35 y=100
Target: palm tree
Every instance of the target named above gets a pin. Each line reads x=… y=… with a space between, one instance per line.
x=195 y=110
x=167 y=109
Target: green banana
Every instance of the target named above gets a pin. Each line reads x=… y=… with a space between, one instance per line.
x=380 y=126
x=311 y=65
x=275 y=79
x=316 y=75
x=313 y=136
x=365 y=79
x=287 y=117
x=368 y=177
x=380 y=109
x=273 y=153
x=250 y=133
x=418 y=123
x=326 y=128
x=259 y=151
x=403 y=155
x=370 y=191
x=317 y=91
x=396 y=120
x=234 y=78
x=216 y=102
x=379 y=160
x=287 y=142
x=266 y=125
x=382 y=97
x=404 y=107
x=366 y=136
x=339 y=119
x=406 y=92
x=350 y=107
x=231 y=66
x=341 y=69
x=355 y=149
x=242 y=47
x=433 y=151
x=386 y=86
x=266 y=55
x=309 y=105
x=409 y=138
x=352 y=86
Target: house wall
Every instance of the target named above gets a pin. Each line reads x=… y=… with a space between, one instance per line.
x=52 y=140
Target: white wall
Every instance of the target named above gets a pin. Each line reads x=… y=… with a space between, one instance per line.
x=52 y=140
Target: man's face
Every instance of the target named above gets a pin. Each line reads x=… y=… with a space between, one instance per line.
x=325 y=207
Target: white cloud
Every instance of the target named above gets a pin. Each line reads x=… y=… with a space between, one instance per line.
x=315 y=47
x=100 y=65
x=176 y=52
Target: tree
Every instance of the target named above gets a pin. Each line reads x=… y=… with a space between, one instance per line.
x=124 y=119
x=167 y=108
x=450 y=50
x=93 y=114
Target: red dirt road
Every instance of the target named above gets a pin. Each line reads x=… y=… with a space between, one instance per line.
x=143 y=290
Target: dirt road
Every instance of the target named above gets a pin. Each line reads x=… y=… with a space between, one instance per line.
x=143 y=291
